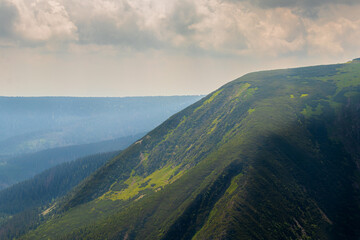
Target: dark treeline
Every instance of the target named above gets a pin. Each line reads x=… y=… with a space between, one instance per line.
x=26 y=166
x=49 y=184
x=21 y=205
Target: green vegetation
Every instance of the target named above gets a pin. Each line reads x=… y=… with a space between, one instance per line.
x=25 y=204
x=347 y=76
x=271 y=155
x=209 y=100
x=136 y=185
x=251 y=110
x=242 y=88
x=310 y=112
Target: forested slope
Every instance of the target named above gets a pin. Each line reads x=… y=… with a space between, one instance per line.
x=23 y=205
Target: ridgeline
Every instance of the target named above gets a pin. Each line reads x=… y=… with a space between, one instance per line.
x=271 y=155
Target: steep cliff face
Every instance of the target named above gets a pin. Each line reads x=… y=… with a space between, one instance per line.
x=271 y=155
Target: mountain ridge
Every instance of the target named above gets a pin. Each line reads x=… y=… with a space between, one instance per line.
x=271 y=155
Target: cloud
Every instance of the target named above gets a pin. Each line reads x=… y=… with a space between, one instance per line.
x=304 y=8
x=215 y=27
x=110 y=23
x=295 y=3
x=34 y=23
x=8 y=15
x=134 y=47
x=335 y=32
x=242 y=29
x=183 y=17
x=44 y=21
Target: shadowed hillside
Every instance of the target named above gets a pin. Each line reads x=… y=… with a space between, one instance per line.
x=271 y=155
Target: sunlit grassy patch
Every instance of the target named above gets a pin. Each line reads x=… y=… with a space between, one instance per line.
x=251 y=110
x=136 y=184
x=213 y=125
x=242 y=89
x=234 y=184
x=250 y=92
x=209 y=100
x=309 y=111
x=347 y=76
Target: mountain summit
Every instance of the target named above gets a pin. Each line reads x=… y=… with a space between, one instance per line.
x=271 y=155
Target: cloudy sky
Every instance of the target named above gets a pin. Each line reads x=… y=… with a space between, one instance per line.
x=164 y=47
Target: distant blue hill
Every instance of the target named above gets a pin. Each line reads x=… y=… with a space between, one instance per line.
x=20 y=168
x=30 y=124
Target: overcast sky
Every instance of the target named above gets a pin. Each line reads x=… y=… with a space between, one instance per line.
x=164 y=47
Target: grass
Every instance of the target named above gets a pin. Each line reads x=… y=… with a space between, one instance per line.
x=311 y=112
x=137 y=184
x=246 y=162
x=251 y=110
x=242 y=89
x=209 y=100
x=348 y=75
x=234 y=184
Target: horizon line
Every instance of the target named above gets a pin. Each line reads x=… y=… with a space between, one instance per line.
x=139 y=96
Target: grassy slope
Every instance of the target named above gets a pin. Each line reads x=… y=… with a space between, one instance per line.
x=270 y=155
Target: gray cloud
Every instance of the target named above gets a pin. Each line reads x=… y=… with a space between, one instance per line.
x=8 y=15
x=110 y=23
x=307 y=4
x=184 y=15
x=135 y=47
x=104 y=31
x=216 y=27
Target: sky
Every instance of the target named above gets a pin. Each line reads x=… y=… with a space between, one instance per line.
x=164 y=47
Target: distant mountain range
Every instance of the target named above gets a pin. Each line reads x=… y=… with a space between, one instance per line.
x=16 y=169
x=31 y=124
x=271 y=155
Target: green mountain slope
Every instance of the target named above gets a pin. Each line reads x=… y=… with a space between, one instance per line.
x=23 y=204
x=271 y=155
x=50 y=184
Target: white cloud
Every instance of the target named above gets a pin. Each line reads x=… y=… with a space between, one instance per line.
x=148 y=47
x=211 y=27
x=43 y=21
x=335 y=32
